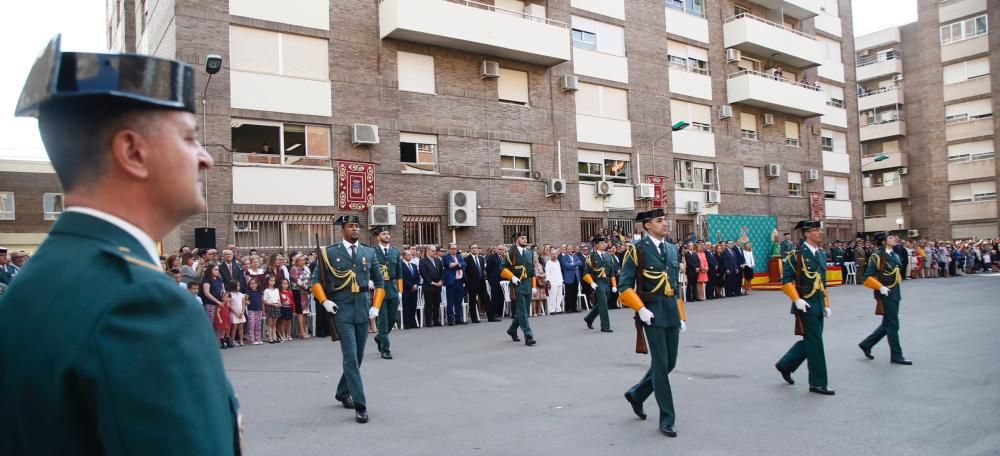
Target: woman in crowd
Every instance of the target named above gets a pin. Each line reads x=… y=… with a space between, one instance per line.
x=276 y=268
x=719 y=278
x=702 y=271
x=188 y=274
x=682 y=274
x=173 y=262
x=255 y=272
x=212 y=290
x=272 y=305
x=237 y=313
x=540 y=296
x=255 y=308
x=748 y=268
x=301 y=283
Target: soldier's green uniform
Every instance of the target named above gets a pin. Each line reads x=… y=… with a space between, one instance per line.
x=883 y=269
x=521 y=265
x=347 y=278
x=600 y=270
x=837 y=256
x=787 y=246
x=391 y=264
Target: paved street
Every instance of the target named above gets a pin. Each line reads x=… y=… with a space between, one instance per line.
x=469 y=390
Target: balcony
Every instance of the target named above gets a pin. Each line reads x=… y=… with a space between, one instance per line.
x=968 y=88
x=476 y=28
x=968 y=168
x=973 y=211
x=829 y=24
x=883 y=65
x=691 y=83
x=754 y=88
x=835 y=115
x=692 y=141
x=882 y=193
x=883 y=97
x=949 y=10
x=965 y=48
x=689 y=24
x=877 y=39
x=838 y=209
x=969 y=129
x=886 y=223
x=882 y=130
x=895 y=160
x=777 y=42
x=799 y=9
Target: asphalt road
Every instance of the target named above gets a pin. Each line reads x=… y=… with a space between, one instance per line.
x=470 y=390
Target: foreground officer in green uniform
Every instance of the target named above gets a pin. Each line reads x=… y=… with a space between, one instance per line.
x=519 y=268
x=649 y=278
x=600 y=276
x=883 y=276
x=392 y=276
x=342 y=287
x=106 y=355
x=804 y=279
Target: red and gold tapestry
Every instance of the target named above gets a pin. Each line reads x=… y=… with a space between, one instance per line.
x=355 y=185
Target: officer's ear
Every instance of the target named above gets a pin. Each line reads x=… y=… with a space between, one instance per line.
x=131 y=149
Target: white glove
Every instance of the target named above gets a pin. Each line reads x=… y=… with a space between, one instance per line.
x=646 y=316
x=371 y=285
x=614 y=289
x=515 y=280
x=594 y=285
x=801 y=304
x=827 y=311
x=684 y=327
x=400 y=297
x=330 y=306
x=884 y=290
x=534 y=291
x=372 y=313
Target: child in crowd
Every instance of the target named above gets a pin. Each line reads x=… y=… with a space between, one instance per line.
x=285 y=321
x=237 y=312
x=271 y=302
x=223 y=322
x=255 y=307
x=193 y=289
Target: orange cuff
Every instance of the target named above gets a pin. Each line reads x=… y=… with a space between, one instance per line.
x=399 y=284
x=680 y=309
x=318 y=292
x=873 y=283
x=587 y=278
x=377 y=299
x=506 y=274
x=631 y=299
x=614 y=282
x=789 y=289
x=533 y=282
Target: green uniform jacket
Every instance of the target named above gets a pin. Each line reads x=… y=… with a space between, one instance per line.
x=873 y=270
x=342 y=274
x=811 y=285
x=392 y=270
x=523 y=268
x=664 y=308
x=837 y=254
x=601 y=270
x=102 y=353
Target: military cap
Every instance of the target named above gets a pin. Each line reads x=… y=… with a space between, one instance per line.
x=807 y=225
x=378 y=229
x=3 y=249
x=345 y=219
x=648 y=215
x=83 y=78
x=516 y=235
x=881 y=236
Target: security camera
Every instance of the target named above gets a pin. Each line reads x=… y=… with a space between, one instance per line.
x=213 y=64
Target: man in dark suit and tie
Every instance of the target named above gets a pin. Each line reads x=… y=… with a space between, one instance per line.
x=692 y=265
x=475 y=281
x=231 y=270
x=570 y=265
x=730 y=266
x=431 y=274
x=454 y=281
x=411 y=280
x=494 y=264
x=713 y=267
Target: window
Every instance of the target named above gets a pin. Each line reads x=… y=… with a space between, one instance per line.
x=687 y=58
x=6 y=205
x=967 y=70
x=595 y=166
x=600 y=101
x=303 y=235
x=589 y=227
x=625 y=226
x=826 y=143
x=873 y=210
x=794 y=184
x=737 y=10
x=281 y=54
x=748 y=126
x=515 y=159
x=281 y=232
x=976 y=150
x=694 y=175
x=692 y=7
x=881 y=179
x=832 y=47
x=836 y=188
x=834 y=95
x=751 y=180
x=418 y=153
x=584 y=40
x=275 y=143
x=513 y=86
x=968 y=111
x=973 y=193
x=524 y=225
x=415 y=72
x=421 y=230
x=791 y=133
x=598 y=36
x=963 y=30
x=698 y=115
x=52 y=205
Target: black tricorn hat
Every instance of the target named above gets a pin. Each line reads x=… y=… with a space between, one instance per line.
x=517 y=234
x=881 y=236
x=69 y=78
x=807 y=225
x=378 y=229
x=648 y=215
x=345 y=219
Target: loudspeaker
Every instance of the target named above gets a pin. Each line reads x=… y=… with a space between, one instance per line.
x=204 y=238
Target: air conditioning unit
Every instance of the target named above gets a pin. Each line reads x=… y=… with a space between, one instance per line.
x=489 y=70
x=555 y=187
x=897 y=77
x=817 y=130
x=382 y=214
x=773 y=170
x=768 y=119
x=903 y=171
x=570 y=83
x=364 y=134
x=462 y=208
x=693 y=207
x=912 y=233
x=725 y=111
x=733 y=55
x=645 y=191
x=714 y=197
x=603 y=188
x=812 y=174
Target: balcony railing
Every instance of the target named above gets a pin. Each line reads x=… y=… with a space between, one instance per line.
x=682 y=7
x=689 y=68
x=812 y=87
x=879 y=91
x=772 y=24
x=492 y=8
x=878 y=58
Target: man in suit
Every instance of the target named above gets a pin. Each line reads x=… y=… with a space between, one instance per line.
x=454 y=282
x=411 y=282
x=570 y=265
x=475 y=282
x=495 y=263
x=341 y=285
x=804 y=279
x=431 y=274
x=733 y=263
x=390 y=259
x=7 y=270
x=884 y=275
x=583 y=254
x=649 y=278
x=231 y=270
x=692 y=264
x=520 y=271
x=904 y=257
x=713 y=271
x=601 y=278
x=133 y=370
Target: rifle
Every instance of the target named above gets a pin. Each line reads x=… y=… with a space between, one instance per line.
x=331 y=317
x=640 y=334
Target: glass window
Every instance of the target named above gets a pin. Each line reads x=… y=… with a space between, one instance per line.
x=616 y=171
x=6 y=205
x=874 y=210
x=584 y=40
x=421 y=230
x=515 y=159
x=52 y=205
x=794 y=184
x=751 y=180
x=827 y=143
x=274 y=143
x=418 y=152
x=590 y=172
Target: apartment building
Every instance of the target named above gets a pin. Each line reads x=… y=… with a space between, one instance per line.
x=549 y=117
x=30 y=202
x=926 y=122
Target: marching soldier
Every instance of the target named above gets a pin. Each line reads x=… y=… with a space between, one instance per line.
x=117 y=359
x=787 y=245
x=804 y=279
x=519 y=269
x=883 y=275
x=601 y=265
x=649 y=278
x=389 y=259
x=341 y=283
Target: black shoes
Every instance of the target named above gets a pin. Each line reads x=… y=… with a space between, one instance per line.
x=669 y=430
x=493 y=320
x=347 y=401
x=529 y=341
x=475 y=321
x=361 y=415
x=787 y=375
x=451 y=323
x=513 y=335
x=902 y=361
x=821 y=390
x=866 y=351
x=607 y=330
x=636 y=406
x=386 y=355
x=461 y=322
x=590 y=324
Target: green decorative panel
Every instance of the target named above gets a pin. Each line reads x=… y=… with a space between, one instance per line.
x=754 y=228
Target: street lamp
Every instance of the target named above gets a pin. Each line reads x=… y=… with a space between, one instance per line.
x=899 y=223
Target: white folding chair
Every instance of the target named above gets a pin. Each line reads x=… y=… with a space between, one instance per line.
x=399 y=317
x=505 y=289
x=581 y=300
x=852 y=273
x=444 y=304
x=420 y=306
